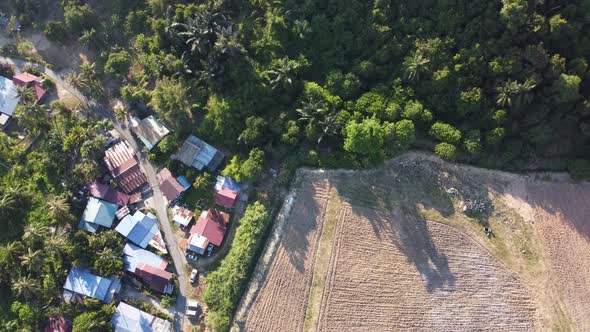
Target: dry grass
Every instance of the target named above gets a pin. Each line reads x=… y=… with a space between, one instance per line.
x=391 y=249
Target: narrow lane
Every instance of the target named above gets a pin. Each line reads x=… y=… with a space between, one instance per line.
x=158 y=199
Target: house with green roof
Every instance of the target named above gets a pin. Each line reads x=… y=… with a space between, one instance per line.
x=98 y=213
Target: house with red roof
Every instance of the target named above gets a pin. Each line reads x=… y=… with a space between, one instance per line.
x=57 y=324
x=170 y=186
x=124 y=167
x=226 y=198
x=158 y=279
x=106 y=193
x=28 y=80
x=212 y=224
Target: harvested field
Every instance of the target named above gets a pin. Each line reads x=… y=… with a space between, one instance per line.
x=441 y=279
x=402 y=248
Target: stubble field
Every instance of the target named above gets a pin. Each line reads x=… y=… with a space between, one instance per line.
x=392 y=249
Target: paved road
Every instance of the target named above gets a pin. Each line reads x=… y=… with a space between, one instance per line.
x=150 y=171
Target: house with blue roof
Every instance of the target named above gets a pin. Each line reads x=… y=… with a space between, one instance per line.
x=98 y=213
x=139 y=228
x=227 y=183
x=131 y=319
x=80 y=282
x=8 y=100
x=196 y=153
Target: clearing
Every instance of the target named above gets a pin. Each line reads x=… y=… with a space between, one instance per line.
x=392 y=248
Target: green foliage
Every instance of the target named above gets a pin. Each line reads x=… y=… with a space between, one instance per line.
x=118 y=63
x=252 y=168
x=446 y=151
x=405 y=133
x=495 y=136
x=472 y=142
x=170 y=100
x=226 y=283
x=567 y=88
x=445 y=132
x=79 y=18
x=56 y=31
x=415 y=111
x=94 y=321
x=365 y=138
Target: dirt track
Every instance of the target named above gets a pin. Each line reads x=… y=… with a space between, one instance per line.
x=387 y=268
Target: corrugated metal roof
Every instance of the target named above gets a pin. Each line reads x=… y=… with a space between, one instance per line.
x=150 y=131
x=139 y=228
x=131 y=319
x=123 y=166
x=195 y=152
x=134 y=255
x=85 y=283
x=8 y=96
x=105 y=192
x=100 y=212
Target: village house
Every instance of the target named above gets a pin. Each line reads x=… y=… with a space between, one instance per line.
x=106 y=193
x=131 y=319
x=80 y=282
x=181 y=216
x=124 y=167
x=149 y=267
x=8 y=100
x=172 y=188
x=149 y=131
x=142 y=229
x=30 y=81
x=226 y=198
x=97 y=213
x=211 y=225
x=194 y=152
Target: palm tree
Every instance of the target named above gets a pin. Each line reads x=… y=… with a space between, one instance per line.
x=32 y=117
x=512 y=92
x=59 y=208
x=26 y=95
x=33 y=260
x=25 y=287
x=282 y=74
x=416 y=66
x=13 y=251
x=7 y=202
x=54 y=245
x=505 y=93
x=34 y=233
x=200 y=32
x=329 y=125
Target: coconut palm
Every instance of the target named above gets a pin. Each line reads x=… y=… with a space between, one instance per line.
x=13 y=251
x=200 y=32
x=59 y=209
x=513 y=93
x=329 y=125
x=26 y=95
x=32 y=117
x=302 y=28
x=34 y=233
x=227 y=41
x=33 y=260
x=25 y=287
x=416 y=66
x=54 y=245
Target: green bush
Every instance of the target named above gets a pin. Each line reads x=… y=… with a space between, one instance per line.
x=445 y=132
x=118 y=64
x=225 y=285
x=446 y=151
x=56 y=31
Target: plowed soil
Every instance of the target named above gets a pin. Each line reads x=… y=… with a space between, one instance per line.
x=392 y=249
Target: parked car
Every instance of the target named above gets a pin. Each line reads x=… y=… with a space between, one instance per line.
x=192 y=308
x=209 y=250
x=194 y=275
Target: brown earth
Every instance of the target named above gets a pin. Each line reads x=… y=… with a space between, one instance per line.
x=391 y=249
